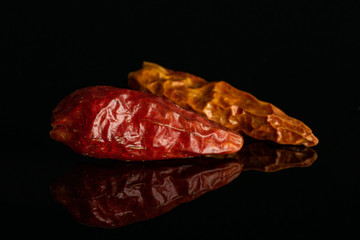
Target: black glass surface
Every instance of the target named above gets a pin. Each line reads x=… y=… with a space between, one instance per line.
x=302 y=57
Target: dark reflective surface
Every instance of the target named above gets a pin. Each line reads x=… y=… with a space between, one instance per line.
x=272 y=157
x=300 y=56
x=115 y=193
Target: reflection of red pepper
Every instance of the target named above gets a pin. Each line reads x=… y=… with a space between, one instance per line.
x=118 y=193
x=122 y=193
x=108 y=122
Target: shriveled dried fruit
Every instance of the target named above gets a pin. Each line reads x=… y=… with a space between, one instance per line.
x=124 y=124
x=118 y=194
x=222 y=103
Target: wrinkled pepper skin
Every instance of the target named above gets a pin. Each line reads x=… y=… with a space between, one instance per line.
x=222 y=103
x=119 y=193
x=124 y=124
x=271 y=157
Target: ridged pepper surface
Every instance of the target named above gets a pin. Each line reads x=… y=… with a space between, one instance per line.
x=124 y=124
x=224 y=104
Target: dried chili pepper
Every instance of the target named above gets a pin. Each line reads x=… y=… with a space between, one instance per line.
x=118 y=193
x=124 y=124
x=222 y=103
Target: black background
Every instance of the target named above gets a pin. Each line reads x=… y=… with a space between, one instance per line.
x=300 y=56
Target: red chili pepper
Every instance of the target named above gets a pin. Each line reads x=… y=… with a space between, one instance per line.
x=108 y=122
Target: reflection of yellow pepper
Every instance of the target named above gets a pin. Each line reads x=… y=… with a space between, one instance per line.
x=271 y=157
x=222 y=103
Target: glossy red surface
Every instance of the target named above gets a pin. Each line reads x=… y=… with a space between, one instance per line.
x=118 y=193
x=108 y=122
